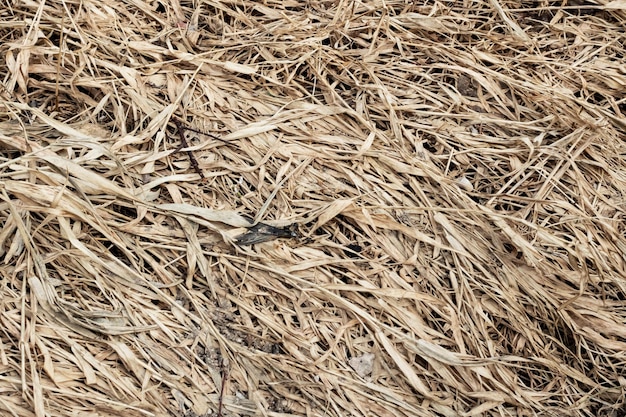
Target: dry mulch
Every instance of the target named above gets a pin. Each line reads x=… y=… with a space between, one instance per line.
x=321 y=208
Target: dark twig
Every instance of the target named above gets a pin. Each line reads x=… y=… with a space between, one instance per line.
x=184 y=145
x=220 y=404
x=180 y=124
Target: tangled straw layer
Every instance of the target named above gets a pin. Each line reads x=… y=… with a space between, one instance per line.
x=455 y=171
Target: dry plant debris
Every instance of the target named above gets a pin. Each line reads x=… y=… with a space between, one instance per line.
x=455 y=170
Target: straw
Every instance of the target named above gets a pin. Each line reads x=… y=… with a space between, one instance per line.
x=440 y=188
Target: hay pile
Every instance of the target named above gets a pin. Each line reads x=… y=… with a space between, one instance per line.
x=447 y=180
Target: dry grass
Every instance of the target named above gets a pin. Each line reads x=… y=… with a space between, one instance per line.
x=456 y=171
